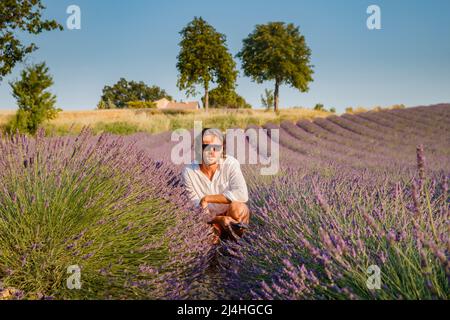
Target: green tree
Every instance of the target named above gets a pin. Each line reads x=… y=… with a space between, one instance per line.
x=333 y=110
x=102 y=105
x=106 y=105
x=267 y=99
x=36 y=104
x=277 y=52
x=204 y=58
x=125 y=91
x=226 y=98
x=18 y=16
x=319 y=107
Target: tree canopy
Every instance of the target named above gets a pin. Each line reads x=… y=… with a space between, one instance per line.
x=277 y=52
x=20 y=16
x=204 y=58
x=122 y=92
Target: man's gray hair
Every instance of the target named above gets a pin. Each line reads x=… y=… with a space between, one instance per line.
x=213 y=132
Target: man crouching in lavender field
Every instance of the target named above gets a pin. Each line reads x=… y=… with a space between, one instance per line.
x=217 y=184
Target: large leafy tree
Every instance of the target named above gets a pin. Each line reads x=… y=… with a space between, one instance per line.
x=20 y=16
x=204 y=58
x=122 y=92
x=36 y=104
x=277 y=52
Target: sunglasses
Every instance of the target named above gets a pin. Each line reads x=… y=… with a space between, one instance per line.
x=209 y=147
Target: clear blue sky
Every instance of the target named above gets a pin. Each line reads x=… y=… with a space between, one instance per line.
x=407 y=61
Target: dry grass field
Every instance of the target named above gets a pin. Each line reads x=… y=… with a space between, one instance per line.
x=127 y=121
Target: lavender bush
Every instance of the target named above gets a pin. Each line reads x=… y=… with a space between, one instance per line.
x=315 y=239
x=95 y=202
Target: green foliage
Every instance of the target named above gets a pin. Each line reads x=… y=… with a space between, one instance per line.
x=319 y=107
x=18 y=16
x=277 y=52
x=226 y=98
x=333 y=110
x=204 y=58
x=106 y=105
x=267 y=99
x=125 y=91
x=141 y=105
x=35 y=103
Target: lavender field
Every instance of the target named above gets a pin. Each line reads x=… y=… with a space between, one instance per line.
x=353 y=191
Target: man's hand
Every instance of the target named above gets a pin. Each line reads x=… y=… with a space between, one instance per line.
x=204 y=202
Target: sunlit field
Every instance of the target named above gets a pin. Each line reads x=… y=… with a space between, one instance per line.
x=127 y=121
x=353 y=191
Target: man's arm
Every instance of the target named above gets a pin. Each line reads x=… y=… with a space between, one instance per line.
x=192 y=195
x=214 y=198
x=236 y=192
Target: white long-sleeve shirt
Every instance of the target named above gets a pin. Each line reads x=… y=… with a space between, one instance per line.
x=227 y=180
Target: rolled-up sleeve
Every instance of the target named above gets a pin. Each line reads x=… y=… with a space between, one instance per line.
x=237 y=188
x=192 y=195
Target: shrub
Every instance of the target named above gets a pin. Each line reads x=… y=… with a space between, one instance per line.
x=36 y=104
x=319 y=107
x=106 y=105
x=267 y=100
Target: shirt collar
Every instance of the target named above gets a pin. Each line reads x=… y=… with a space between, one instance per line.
x=220 y=163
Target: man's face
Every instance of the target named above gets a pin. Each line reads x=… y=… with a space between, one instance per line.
x=212 y=150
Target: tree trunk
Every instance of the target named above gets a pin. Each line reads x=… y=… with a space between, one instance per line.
x=275 y=96
x=206 y=98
